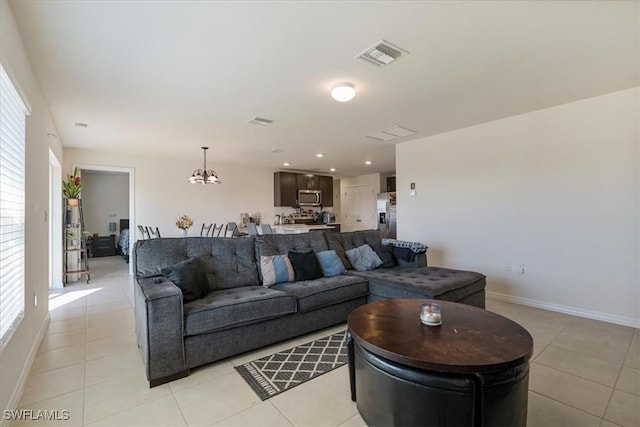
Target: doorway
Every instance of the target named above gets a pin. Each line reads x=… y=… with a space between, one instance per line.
x=107 y=217
x=359 y=208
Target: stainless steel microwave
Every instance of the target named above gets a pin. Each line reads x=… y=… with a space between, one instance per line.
x=309 y=198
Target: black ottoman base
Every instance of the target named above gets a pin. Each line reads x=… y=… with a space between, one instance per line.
x=389 y=394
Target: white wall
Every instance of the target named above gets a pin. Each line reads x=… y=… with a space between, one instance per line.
x=162 y=192
x=105 y=199
x=17 y=355
x=556 y=190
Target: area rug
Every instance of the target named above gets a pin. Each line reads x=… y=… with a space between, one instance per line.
x=271 y=375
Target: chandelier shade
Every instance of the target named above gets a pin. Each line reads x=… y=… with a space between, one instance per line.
x=204 y=175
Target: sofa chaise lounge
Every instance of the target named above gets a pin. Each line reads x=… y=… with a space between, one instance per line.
x=238 y=314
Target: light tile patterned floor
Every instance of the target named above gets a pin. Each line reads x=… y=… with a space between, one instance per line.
x=584 y=372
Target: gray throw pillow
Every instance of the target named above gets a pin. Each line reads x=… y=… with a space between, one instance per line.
x=189 y=277
x=363 y=258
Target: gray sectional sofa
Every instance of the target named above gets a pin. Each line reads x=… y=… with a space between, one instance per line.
x=238 y=314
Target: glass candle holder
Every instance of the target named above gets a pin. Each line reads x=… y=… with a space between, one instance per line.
x=431 y=314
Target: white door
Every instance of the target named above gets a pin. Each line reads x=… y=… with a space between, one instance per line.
x=359 y=208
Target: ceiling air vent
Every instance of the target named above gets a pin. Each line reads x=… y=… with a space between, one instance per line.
x=382 y=53
x=260 y=121
x=391 y=133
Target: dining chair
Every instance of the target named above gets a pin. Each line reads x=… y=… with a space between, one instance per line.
x=204 y=231
x=231 y=229
x=266 y=229
x=252 y=229
x=152 y=233
x=144 y=232
x=217 y=231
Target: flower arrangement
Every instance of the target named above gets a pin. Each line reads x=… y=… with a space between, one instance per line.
x=184 y=222
x=72 y=186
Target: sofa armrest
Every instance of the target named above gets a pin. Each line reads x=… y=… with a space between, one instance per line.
x=159 y=329
x=408 y=254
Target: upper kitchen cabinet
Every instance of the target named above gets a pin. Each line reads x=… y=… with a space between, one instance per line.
x=285 y=189
x=325 y=184
x=308 y=181
x=287 y=184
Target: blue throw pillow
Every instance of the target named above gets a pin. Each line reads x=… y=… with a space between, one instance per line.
x=363 y=258
x=330 y=263
x=276 y=269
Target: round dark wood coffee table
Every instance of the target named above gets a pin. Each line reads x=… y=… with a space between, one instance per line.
x=471 y=370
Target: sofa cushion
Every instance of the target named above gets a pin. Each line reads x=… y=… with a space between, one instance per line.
x=228 y=262
x=330 y=263
x=230 y=308
x=363 y=258
x=281 y=244
x=276 y=269
x=315 y=294
x=342 y=242
x=305 y=265
x=189 y=277
x=386 y=255
x=429 y=282
x=151 y=255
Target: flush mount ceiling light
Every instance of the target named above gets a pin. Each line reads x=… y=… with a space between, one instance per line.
x=319 y=155
x=343 y=92
x=332 y=169
x=286 y=164
x=368 y=162
x=204 y=176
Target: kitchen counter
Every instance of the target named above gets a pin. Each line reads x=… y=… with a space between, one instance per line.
x=299 y=228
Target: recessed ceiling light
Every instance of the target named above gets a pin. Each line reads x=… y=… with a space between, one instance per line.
x=368 y=162
x=319 y=155
x=332 y=169
x=286 y=164
x=80 y=125
x=343 y=92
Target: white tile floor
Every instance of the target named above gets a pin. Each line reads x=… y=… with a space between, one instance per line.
x=584 y=372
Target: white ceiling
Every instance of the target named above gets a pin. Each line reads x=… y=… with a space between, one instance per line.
x=163 y=78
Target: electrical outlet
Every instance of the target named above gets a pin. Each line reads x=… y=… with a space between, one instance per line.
x=508 y=267
x=521 y=268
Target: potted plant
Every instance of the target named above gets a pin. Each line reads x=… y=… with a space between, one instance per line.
x=71 y=187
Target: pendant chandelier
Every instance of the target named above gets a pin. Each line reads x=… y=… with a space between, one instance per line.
x=204 y=176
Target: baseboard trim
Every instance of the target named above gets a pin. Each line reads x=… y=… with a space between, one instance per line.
x=574 y=311
x=19 y=388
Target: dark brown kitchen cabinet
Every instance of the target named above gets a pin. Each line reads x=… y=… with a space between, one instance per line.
x=285 y=189
x=308 y=181
x=325 y=184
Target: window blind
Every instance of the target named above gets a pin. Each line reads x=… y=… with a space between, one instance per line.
x=12 y=207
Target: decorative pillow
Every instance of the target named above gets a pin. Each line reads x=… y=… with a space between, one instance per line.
x=330 y=263
x=276 y=269
x=363 y=258
x=189 y=276
x=305 y=265
x=386 y=255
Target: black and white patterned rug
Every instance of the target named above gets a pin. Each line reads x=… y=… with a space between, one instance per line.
x=271 y=375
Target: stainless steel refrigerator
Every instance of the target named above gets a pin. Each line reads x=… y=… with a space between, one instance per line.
x=387 y=214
